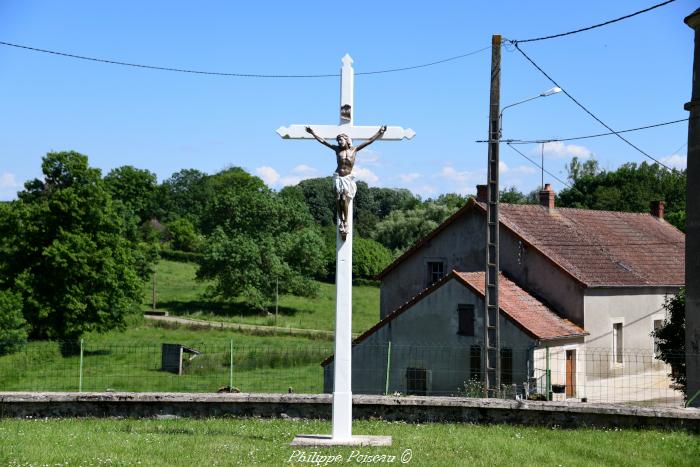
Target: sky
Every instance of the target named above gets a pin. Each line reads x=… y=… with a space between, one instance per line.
x=633 y=73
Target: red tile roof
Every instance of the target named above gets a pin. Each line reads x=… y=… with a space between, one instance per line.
x=528 y=313
x=602 y=248
x=597 y=248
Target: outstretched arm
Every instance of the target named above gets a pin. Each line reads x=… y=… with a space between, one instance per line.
x=310 y=131
x=374 y=138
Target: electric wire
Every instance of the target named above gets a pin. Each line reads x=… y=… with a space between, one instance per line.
x=576 y=138
x=236 y=75
x=616 y=133
x=599 y=25
x=543 y=169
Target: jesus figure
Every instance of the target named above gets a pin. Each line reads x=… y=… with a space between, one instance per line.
x=343 y=180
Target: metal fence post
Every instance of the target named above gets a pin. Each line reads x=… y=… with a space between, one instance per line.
x=230 y=371
x=548 y=377
x=80 y=378
x=388 y=368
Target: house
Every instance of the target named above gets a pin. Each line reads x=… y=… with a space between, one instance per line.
x=604 y=274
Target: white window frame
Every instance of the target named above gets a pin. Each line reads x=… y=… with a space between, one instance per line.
x=615 y=339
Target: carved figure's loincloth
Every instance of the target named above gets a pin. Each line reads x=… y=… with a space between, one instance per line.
x=345 y=185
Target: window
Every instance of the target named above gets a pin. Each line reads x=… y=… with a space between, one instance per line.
x=658 y=324
x=416 y=381
x=436 y=270
x=466 y=320
x=506 y=366
x=617 y=342
x=475 y=362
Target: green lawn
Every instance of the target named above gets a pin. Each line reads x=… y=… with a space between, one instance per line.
x=235 y=441
x=131 y=361
x=180 y=294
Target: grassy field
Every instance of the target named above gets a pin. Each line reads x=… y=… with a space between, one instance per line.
x=230 y=441
x=180 y=294
x=131 y=361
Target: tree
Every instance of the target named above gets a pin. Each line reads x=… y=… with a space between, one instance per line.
x=369 y=258
x=258 y=239
x=401 y=229
x=65 y=252
x=184 y=236
x=670 y=338
x=184 y=194
x=136 y=188
x=632 y=187
x=13 y=326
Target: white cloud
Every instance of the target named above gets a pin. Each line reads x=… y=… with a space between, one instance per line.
x=365 y=174
x=425 y=190
x=409 y=177
x=269 y=175
x=524 y=169
x=676 y=161
x=8 y=180
x=273 y=178
x=368 y=157
x=559 y=150
x=502 y=167
x=304 y=170
x=450 y=173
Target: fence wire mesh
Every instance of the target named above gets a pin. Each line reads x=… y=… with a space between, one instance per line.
x=556 y=374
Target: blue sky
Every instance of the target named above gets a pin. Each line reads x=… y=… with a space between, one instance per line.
x=633 y=73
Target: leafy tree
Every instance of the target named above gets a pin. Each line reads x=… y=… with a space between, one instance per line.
x=13 y=326
x=513 y=196
x=184 y=236
x=136 y=188
x=632 y=187
x=670 y=338
x=369 y=257
x=65 y=252
x=257 y=238
x=401 y=229
x=184 y=194
x=391 y=199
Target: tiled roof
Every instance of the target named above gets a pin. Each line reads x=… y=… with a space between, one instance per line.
x=524 y=310
x=602 y=248
x=597 y=248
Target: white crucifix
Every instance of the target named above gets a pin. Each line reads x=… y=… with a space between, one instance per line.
x=345 y=189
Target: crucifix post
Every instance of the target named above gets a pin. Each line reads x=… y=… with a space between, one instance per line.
x=345 y=189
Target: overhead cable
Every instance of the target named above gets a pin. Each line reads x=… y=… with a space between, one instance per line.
x=236 y=75
x=543 y=169
x=616 y=133
x=554 y=36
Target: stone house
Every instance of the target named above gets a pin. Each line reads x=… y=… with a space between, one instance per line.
x=602 y=275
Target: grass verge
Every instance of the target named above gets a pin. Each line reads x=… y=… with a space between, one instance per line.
x=237 y=441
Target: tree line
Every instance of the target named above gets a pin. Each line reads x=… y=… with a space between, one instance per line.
x=76 y=247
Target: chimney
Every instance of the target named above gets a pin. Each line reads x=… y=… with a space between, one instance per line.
x=547 y=196
x=482 y=193
x=657 y=209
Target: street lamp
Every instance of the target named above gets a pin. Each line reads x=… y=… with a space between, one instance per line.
x=546 y=93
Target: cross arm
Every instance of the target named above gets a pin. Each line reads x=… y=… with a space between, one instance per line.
x=355 y=132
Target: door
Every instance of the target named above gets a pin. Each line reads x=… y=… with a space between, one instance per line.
x=570 y=373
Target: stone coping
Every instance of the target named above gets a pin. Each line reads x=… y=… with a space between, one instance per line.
x=359 y=401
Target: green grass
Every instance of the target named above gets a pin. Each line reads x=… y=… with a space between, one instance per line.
x=131 y=361
x=180 y=294
x=239 y=441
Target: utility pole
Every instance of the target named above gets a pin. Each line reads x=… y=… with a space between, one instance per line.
x=692 y=228
x=492 y=361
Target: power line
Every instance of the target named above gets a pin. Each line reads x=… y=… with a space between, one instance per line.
x=588 y=111
x=556 y=140
x=543 y=169
x=236 y=75
x=554 y=36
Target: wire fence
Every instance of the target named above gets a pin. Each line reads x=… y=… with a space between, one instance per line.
x=556 y=374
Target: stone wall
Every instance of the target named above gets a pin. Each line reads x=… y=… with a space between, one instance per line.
x=318 y=406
